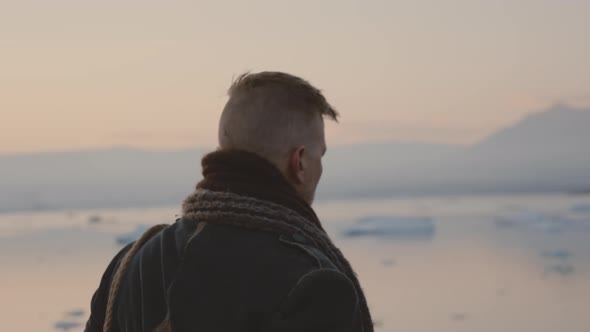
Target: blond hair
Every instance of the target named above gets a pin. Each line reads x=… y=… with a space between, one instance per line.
x=269 y=112
x=293 y=91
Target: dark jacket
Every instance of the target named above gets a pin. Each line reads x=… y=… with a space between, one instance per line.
x=225 y=278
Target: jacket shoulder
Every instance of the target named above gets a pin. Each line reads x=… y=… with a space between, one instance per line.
x=238 y=245
x=300 y=242
x=334 y=306
x=99 y=300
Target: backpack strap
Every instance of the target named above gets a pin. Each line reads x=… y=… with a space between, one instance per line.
x=123 y=265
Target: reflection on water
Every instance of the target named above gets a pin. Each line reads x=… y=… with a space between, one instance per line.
x=496 y=263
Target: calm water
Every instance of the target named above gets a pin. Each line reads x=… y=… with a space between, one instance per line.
x=494 y=263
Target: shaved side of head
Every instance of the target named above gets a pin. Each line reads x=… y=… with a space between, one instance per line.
x=269 y=113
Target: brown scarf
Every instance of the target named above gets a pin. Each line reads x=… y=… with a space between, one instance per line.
x=245 y=190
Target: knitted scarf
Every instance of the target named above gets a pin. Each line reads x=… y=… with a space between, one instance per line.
x=245 y=190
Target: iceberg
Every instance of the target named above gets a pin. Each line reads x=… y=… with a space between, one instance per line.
x=584 y=208
x=459 y=316
x=392 y=227
x=563 y=269
x=66 y=326
x=388 y=262
x=557 y=254
x=537 y=221
x=94 y=219
x=75 y=313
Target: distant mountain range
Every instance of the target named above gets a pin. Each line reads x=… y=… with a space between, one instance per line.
x=545 y=152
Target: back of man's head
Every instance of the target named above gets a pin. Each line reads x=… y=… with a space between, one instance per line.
x=270 y=113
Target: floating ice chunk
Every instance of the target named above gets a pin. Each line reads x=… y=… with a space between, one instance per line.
x=388 y=262
x=125 y=239
x=392 y=227
x=563 y=269
x=66 y=325
x=537 y=221
x=584 y=207
x=75 y=313
x=530 y=220
x=557 y=254
x=94 y=219
x=458 y=316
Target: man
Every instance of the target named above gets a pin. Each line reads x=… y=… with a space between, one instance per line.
x=249 y=253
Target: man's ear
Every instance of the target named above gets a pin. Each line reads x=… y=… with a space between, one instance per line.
x=296 y=167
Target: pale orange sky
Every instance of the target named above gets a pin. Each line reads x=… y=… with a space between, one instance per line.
x=153 y=74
